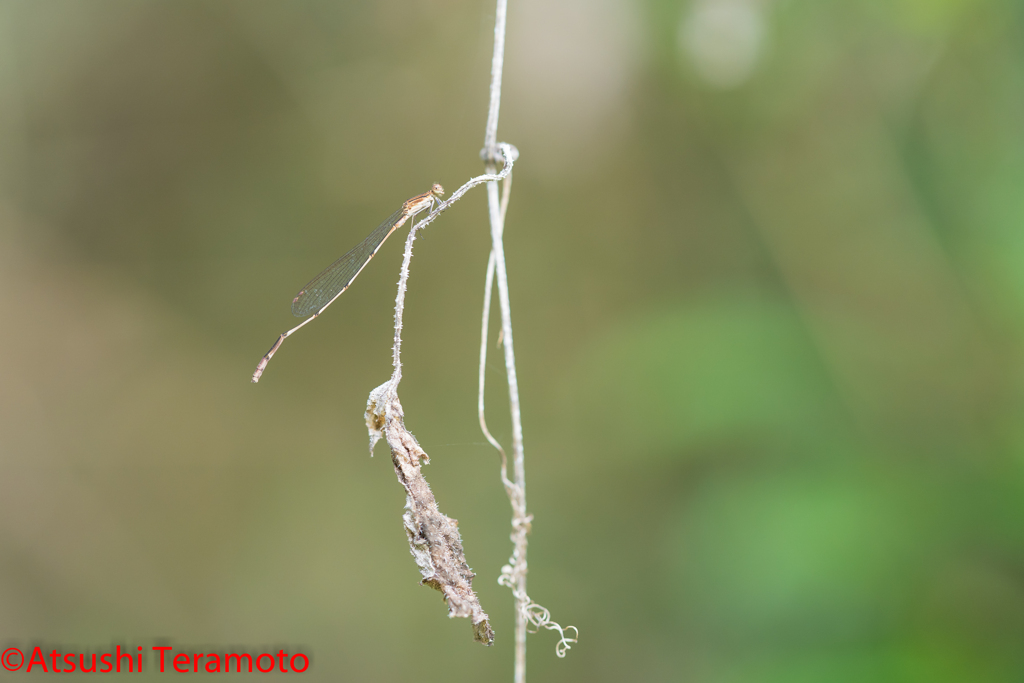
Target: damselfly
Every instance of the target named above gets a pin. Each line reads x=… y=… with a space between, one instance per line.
x=336 y=278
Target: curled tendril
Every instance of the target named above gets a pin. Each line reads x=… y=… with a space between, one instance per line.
x=536 y=615
x=563 y=644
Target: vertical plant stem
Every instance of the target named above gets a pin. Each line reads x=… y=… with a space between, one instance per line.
x=513 y=574
x=497 y=65
x=517 y=492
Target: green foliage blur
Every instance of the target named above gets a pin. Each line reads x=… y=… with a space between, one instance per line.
x=767 y=270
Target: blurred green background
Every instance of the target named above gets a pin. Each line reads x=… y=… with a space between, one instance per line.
x=767 y=273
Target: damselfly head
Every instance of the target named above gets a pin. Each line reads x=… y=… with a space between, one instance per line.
x=437 y=190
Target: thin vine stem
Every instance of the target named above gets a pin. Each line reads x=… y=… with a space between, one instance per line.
x=513 y=574
x=509 y=154
x=490 y=151
x=484 y=326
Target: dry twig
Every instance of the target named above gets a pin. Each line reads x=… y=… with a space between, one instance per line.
x=433 y=537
